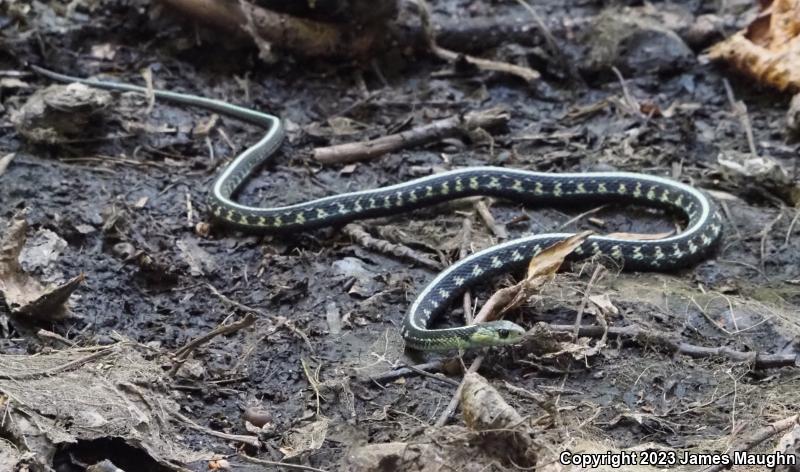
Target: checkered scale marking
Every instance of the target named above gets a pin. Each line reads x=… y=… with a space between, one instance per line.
x=694 y=243
x=702 y=232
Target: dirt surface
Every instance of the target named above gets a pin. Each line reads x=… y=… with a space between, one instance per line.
x=127 y=192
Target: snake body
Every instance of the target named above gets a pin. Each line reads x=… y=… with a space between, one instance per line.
x=694 y=243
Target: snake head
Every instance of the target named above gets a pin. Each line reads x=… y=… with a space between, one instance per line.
x=497 y=333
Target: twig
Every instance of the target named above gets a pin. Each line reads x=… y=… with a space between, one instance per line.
x=758 y=437
x=43 y=333
x=279 y=320
x=486 y=215
x=360 y=236
x=633 y=105
x=740 y=110
x=499 y=300
x=182 y=354
x=280 y=464
x=251 y=440
x=463 y=251
x=791 y=227
x=580 y=216
x=304 y=36
x=451 y=407
x=585 y=300
x=525 y=73
x=764 y=235
x=758 y=360
x=552 y=45
x=313 y=380
x=390 y=375
x=438 y=130
x=189 y=211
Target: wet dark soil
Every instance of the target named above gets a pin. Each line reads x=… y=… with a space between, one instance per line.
x=119 y=187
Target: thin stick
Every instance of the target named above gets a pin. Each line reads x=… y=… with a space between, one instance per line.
x=279 y=320
x=390 y=375
x=791 y=227
x=435 y=131
x=758 y=437
x=525 y=73
x=182 y=354
x=251 y=440
x=585 y=300
x=552 y=44
x=580 y=216
x=463 y=251
x=764 y=235
x=629 y=100
x=280 y=464
x=360 y=235
x=757 y=360
x=497 y=229
x=451 y=407
x=740 y=110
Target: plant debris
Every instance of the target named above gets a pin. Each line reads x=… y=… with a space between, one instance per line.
x=26 y=297
x=768 y=50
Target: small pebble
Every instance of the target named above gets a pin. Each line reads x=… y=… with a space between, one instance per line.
x=123 y=250
x=257 y=416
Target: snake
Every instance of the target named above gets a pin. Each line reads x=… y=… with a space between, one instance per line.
x=699 y=238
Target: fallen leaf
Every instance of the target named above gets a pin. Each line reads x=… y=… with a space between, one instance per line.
x=199 y=260
x=13 y=83
x=25 y=295
x=603 y=303
x=502 y=427
x=104 y=51
x=768 y=50
x=541 y=269
x=550 y=259
x=305 y=438
x=205 y=126
x=5 y=161
x=641 y=236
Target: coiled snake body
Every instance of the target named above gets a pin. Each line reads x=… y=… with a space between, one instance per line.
x=694 y=243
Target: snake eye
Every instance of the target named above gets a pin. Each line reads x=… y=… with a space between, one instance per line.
x=503 y=333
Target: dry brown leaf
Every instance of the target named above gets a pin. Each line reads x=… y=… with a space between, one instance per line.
x=604 y=304
x=550 y=259
x=502 y=426
x=62 y=397
x=541 y=269
x=769 y=48
x=5 y=161
x=641 y=236
x=305 y=438
x=24 y=295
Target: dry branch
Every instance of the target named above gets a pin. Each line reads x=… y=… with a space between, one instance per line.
x=647 y=337
x=525 y=73
x=360 y=235
x=758 y=437
x=304 y=36
x=438 y=130
x=182 y=354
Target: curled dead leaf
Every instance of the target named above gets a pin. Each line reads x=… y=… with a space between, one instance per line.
x=541 y=269
x=24 y=295
x=768 y=50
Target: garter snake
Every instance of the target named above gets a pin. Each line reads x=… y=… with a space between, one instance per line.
x=694 y=243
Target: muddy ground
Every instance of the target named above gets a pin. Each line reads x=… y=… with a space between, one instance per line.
x=119 y=196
